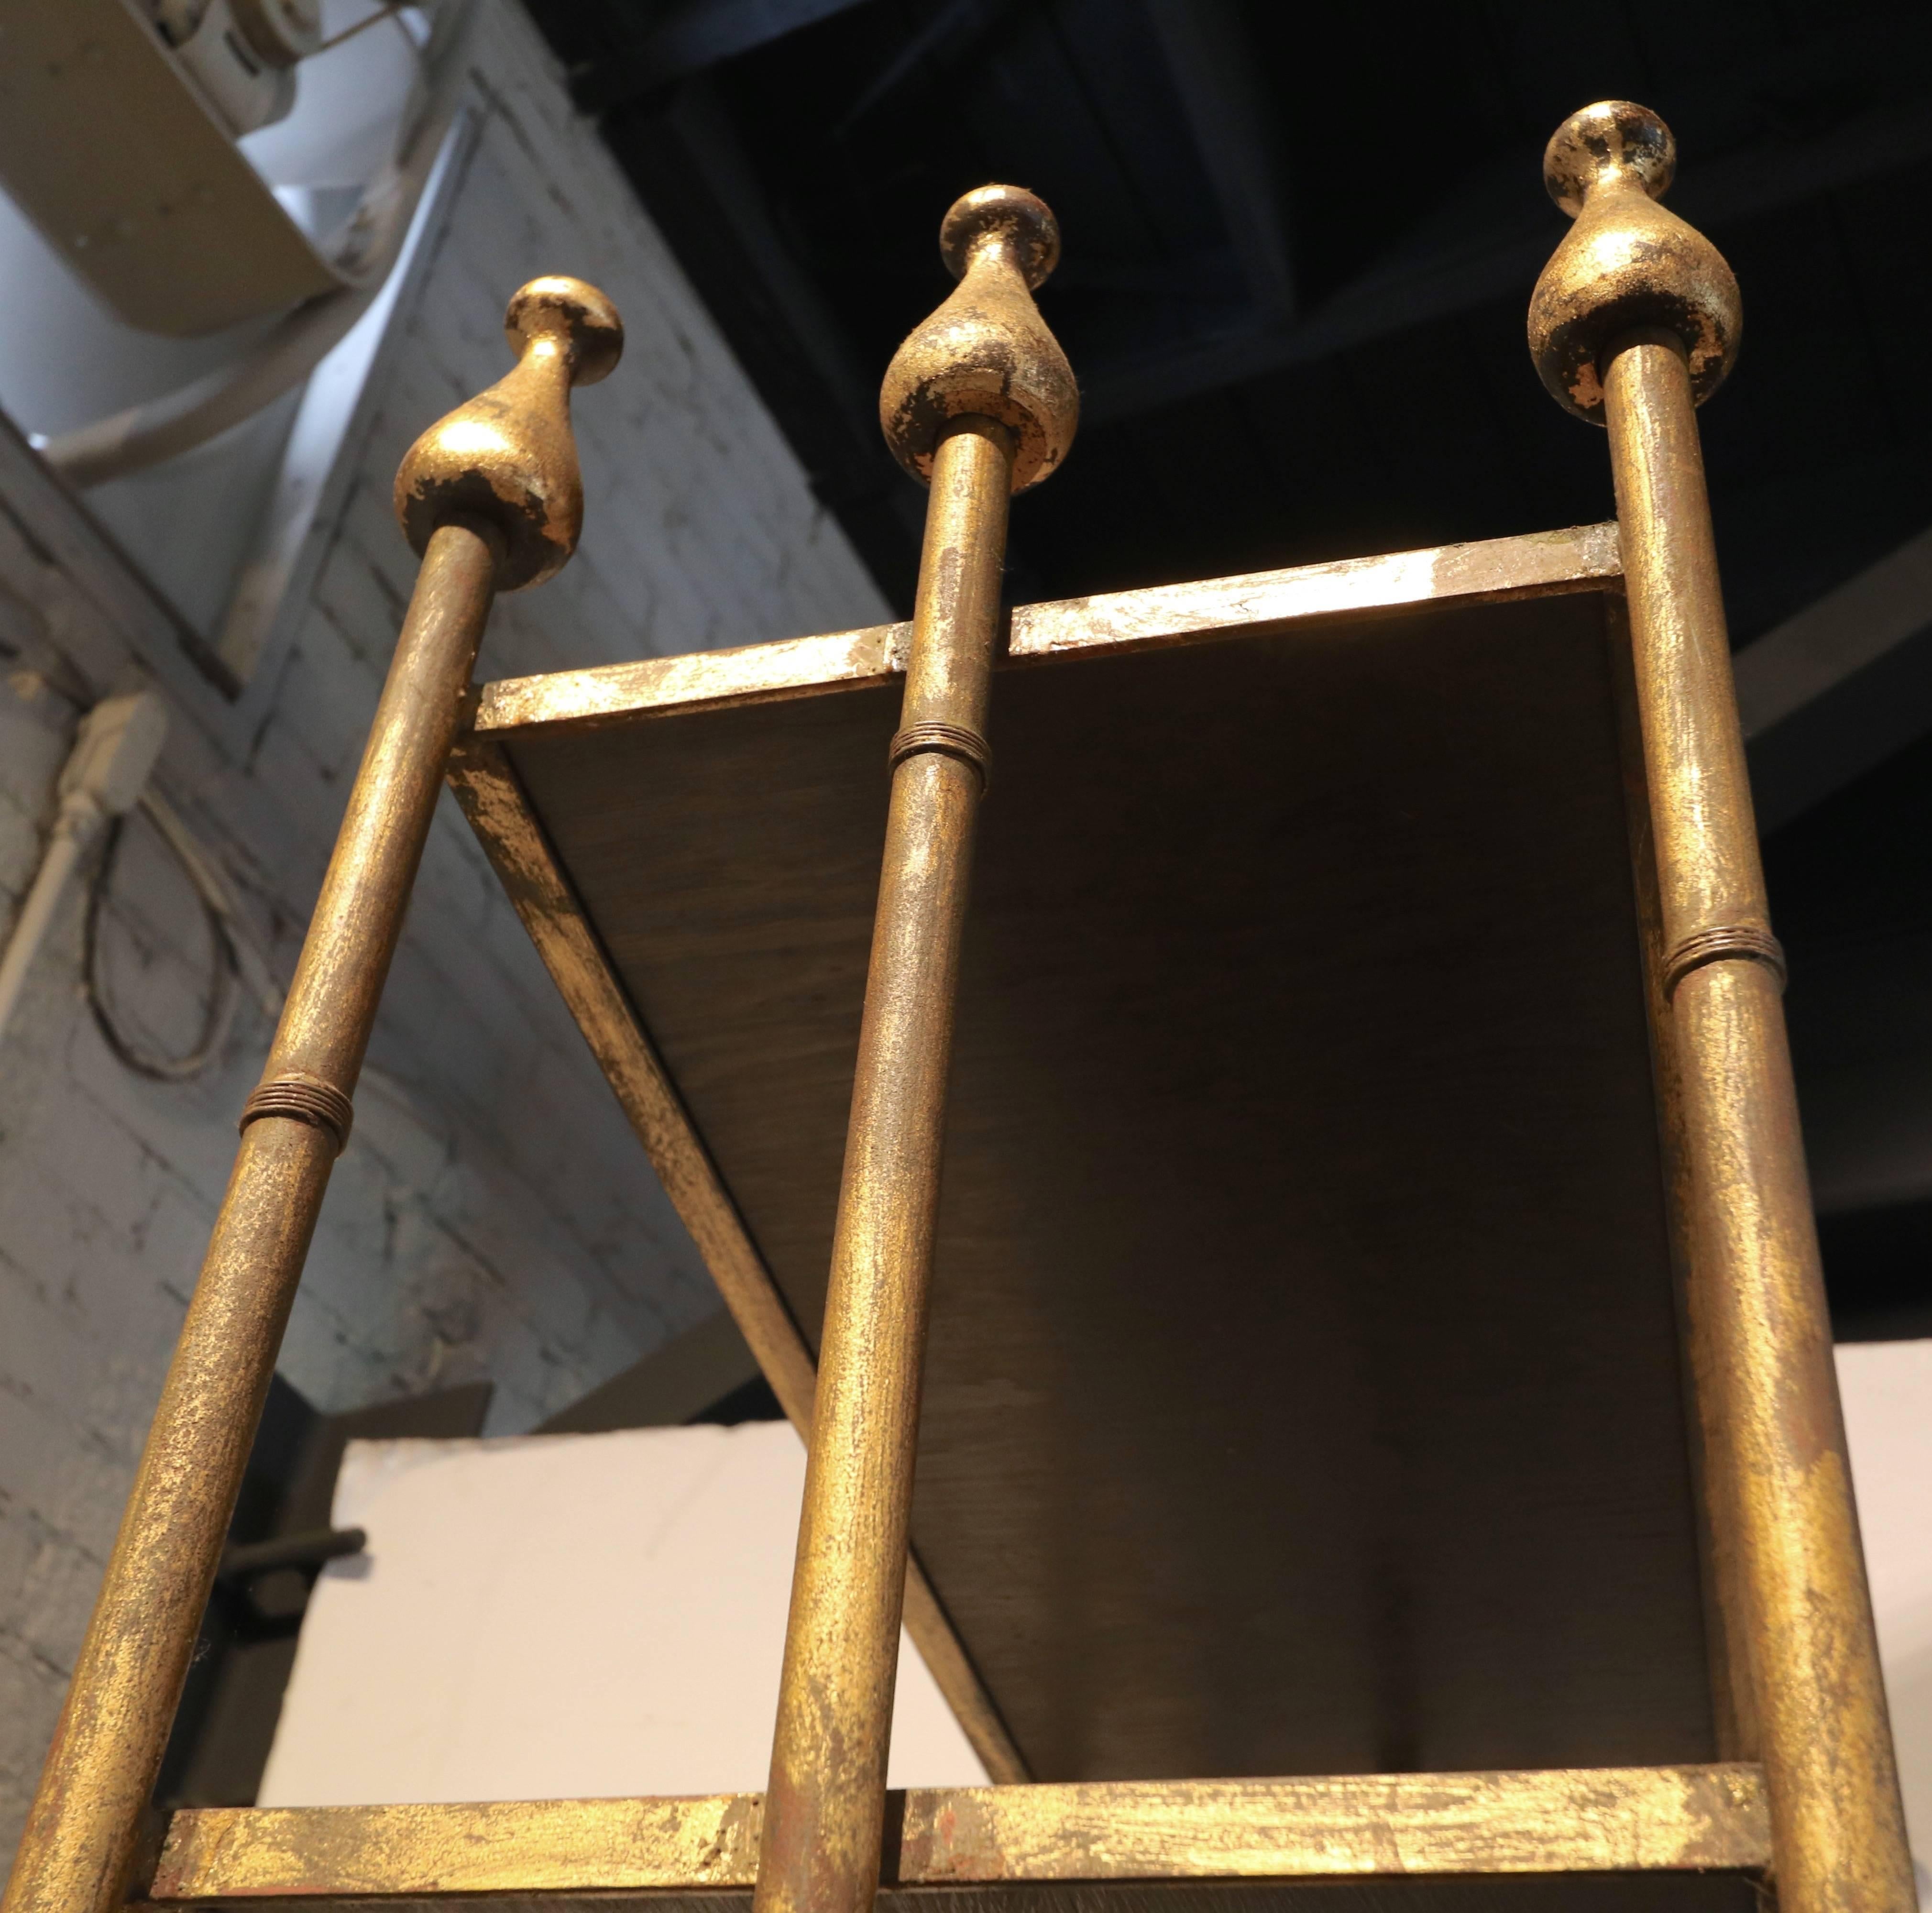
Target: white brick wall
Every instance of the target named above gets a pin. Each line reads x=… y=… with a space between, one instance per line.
x=494 y=1215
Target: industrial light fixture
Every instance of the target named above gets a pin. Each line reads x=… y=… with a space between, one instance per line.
x=242 y=54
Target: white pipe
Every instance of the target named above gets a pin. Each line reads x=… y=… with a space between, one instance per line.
x=73 y=830
x=164 y=427
x=113 y=755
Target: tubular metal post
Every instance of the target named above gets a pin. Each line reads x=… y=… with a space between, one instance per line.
x=1635 y=321
x=86 y=1822
x=823 y=1812
x=979 y=401
x=1769 y=1386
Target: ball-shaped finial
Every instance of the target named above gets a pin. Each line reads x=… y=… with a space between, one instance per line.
x=1627 y=264
x=1009 y=215
x=507 y=460
x=1614 y=139
x=574 y=311
x=987 y=350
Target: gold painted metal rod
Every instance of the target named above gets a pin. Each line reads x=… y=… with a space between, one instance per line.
x=345 y=958
x=86 y=1818
x=1768 y=1388
x=825 y=1808
x=1633 y=324
x=979 y=403
x=490 y=499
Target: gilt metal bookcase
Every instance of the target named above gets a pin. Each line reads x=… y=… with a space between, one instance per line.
x=1366 y=1360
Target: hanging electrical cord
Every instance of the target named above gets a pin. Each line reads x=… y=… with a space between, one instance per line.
x=225 y=979
x=114 y=747
x=257 y=975
x=240 y=965
x=104 y=779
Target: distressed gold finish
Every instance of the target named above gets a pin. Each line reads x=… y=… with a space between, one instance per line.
x=1565 y=1821
x=1634 y=321
x=85 y=1820
x=986 y=352
x=979 y=400
x=506 y=459
x=491 y=798
x=1595 y=1820
x=1757 y=1295
x=1656 y=308
x=826 y=1798
x=1626 y=262
x=487 y=789
x=1307 y=597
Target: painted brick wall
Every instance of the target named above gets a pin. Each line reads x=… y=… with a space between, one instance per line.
x=494 y=1216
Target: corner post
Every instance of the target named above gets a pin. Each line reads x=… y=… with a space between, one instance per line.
x=980 y=404
x=1633 y=324
x=490 y=501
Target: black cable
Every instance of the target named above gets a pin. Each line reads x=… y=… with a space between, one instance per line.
x=223 y=989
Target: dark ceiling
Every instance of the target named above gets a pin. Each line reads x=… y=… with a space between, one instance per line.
x=1299 y=244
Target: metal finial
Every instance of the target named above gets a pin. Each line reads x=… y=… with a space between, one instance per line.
x=1627 y=263
x=987 y=350
x=507 y=459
